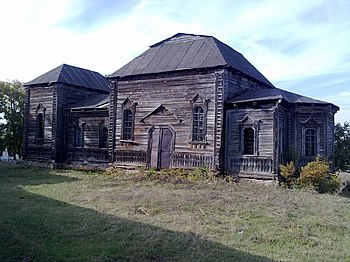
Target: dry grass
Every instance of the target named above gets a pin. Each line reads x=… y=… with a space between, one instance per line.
x=76 y=216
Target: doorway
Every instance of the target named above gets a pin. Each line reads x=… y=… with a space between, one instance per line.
x=161 y=147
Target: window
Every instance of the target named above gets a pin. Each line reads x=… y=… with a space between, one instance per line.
x=199 y=109
x=128 y=115
x=40 y=127
x=248 y=141
x=249 y=136
x=198 y=124
x=103 y=137
x=127 y=124
x=79 y=136
x=310 y=142
x=310 y=138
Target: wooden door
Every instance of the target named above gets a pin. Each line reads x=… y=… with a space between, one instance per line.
x=161 y=147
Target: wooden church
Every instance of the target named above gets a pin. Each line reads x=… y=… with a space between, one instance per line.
x=188 y=101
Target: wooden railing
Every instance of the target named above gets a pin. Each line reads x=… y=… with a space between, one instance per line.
x=192 y=160
x=130 y=157
x=251 y=166
x=88 y=154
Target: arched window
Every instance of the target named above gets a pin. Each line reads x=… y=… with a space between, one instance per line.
x=79 y=136
x=40 y=126
x=128 y=118
x=248 y=141
x=103 y=137
x=198 y=124
x=127 y=133
x=310 y=142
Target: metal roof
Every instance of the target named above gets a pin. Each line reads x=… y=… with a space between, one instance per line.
x=92 y=102
x=188 y=51
x=274 y=94
x=72 y=75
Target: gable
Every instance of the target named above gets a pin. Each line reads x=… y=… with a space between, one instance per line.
x=161 y=115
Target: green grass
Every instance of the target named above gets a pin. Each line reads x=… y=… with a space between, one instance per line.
x=57 y=215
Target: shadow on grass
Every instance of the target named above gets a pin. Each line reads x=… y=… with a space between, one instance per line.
x=345 y=191
x=37 y=228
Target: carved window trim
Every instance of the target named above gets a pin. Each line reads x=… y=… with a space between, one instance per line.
x=128 y=121
x=311 y=125
x=199 y=102
x=40 y=124
x=248 y=123
x=79 y=135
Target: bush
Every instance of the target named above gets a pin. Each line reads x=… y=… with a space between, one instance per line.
x=288 y=173
x=315 y=175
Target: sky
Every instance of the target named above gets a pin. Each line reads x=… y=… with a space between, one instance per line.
x=300 y=46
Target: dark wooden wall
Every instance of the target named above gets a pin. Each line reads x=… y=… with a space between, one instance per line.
x=173 y=92
x=92 y=120
x=38 y=95
x=54 y=98
x=263 y=121
x=320 y=117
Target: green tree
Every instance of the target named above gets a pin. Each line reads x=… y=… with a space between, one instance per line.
x=11 y=116
x=342 y=146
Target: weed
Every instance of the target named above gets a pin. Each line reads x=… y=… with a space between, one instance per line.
x=288 y=173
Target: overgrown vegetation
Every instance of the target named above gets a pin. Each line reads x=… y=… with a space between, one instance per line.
x=52 y=215
x=288 y=173
x=342 y=146
x=315 y=175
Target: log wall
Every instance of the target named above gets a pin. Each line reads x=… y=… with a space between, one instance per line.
x=174 y=92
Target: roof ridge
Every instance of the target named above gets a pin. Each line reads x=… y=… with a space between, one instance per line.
x=179 y=35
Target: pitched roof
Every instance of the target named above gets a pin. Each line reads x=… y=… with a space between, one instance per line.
x=274 y=94
x=93 y=101
x=73 y=75
x=188 y=51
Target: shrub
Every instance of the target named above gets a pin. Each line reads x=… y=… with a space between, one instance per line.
x=151 y=172
x=315 y=175
x=288 y=173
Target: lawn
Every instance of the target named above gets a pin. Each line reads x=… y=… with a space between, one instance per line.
x=63 y=215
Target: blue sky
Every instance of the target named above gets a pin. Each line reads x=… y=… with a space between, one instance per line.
x=301 y=46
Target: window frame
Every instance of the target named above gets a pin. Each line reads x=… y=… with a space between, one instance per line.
x=311 y=124
x=198 y=101
x=40 y=130
x=128 y=106
x=252 y=146
x=198 y=124
x=79 y=138
x=103 y=143
x=245 y=123
x=310 y=142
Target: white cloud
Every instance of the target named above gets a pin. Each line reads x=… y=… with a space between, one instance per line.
x=288 y=41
